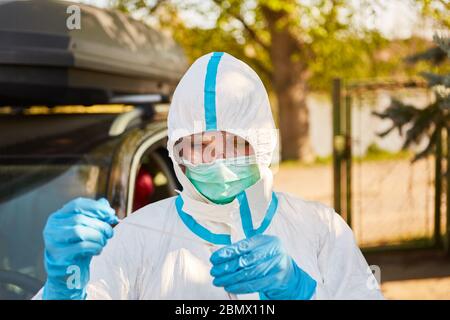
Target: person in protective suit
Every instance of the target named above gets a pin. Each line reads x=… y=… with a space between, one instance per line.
x=227 y=235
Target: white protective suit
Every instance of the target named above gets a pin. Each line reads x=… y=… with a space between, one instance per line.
x=162 y=251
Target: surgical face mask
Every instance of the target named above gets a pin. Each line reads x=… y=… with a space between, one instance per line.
x=220 y=181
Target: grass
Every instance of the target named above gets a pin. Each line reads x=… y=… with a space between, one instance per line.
x=402 y=244
x=375 y=153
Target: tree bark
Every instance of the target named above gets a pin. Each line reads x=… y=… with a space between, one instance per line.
x=289 y=76
x=293 y=122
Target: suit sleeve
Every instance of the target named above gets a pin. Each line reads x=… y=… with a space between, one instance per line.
x=114 y=274
x=345 y=272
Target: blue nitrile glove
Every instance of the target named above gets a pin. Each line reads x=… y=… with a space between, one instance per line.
x=72 y=236
x=260 y=264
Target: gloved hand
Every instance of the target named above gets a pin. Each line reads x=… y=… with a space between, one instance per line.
x=72 y=236
x=259 y=264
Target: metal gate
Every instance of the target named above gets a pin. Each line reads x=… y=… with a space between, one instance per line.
x=387 y=200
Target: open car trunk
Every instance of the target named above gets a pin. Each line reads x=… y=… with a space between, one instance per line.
x=42 y=61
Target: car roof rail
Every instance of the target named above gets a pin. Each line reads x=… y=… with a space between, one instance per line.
x=144 y=108
x=140 y=99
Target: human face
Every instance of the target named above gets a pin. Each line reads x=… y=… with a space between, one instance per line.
x=206 y=147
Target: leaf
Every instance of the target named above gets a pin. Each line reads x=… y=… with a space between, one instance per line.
x=399 y=113
x=430 y=146
x=436 y=79
x=435 y=55
x=443 y=43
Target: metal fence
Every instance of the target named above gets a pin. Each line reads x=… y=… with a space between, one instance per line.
x=387 y=200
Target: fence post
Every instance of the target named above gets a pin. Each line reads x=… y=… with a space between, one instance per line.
x=438 y=191
x=336 y=99
x=447 y=193
x=348 y=158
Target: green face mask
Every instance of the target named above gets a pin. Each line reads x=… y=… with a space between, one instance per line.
x=223 y=179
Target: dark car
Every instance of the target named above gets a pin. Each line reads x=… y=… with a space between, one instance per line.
x=49 y=159
x=82 y=114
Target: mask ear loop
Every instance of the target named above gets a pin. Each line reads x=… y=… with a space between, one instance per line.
x=186 y=163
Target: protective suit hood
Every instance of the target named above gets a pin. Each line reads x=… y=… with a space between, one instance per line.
x=221 y=93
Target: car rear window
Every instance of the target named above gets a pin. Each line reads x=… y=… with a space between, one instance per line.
x=30 y=194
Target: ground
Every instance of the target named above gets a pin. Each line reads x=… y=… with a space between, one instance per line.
x=392 y=201
x=413 y=275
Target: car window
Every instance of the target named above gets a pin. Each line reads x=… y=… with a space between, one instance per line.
x=154 y=180
x=34 y=192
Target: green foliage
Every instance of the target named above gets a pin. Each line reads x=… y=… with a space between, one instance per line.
x=331 y=42
x=429 y=121
x=435 y=55
x=437 y=10
x=296 y=46
x=375 y=153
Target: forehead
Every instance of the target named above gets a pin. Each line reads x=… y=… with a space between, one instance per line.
x=209 y=136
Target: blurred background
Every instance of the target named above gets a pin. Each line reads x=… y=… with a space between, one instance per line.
x=360 y=93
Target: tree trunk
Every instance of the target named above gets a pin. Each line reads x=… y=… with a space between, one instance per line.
x=293 y=122
x=289 y=76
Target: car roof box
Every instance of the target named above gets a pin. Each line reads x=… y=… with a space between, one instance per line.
x=46 y=59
